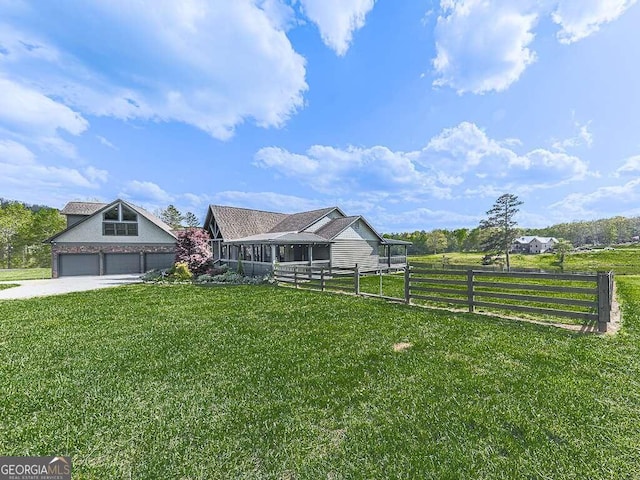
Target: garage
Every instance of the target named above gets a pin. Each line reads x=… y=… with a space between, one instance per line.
x=78 y=264
x=116 y=263
x=159 y=261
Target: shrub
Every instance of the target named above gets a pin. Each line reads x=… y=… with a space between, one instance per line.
x=192 y=248
x=180 y=271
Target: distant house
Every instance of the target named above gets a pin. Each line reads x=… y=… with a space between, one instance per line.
x=324 y=237
x=113 y=238
x=533 y=244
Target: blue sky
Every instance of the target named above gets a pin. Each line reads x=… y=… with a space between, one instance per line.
x=417 y=114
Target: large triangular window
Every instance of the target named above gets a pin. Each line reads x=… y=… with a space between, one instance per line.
x=120 y=221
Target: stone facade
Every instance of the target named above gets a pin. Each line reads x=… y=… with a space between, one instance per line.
x=102 y=248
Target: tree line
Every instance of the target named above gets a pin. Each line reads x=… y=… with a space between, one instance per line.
x=602 y=232
x=23 y=228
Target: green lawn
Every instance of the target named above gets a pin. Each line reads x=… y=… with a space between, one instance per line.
x=24 y=274
x=620 y=260
x=4 y=286
x=153 y=381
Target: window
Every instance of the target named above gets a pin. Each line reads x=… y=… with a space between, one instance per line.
x=120 y=220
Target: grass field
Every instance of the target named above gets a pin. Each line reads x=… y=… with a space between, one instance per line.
x=152 y=381
x=4 y=286
x=620 y=260
x=24 y=274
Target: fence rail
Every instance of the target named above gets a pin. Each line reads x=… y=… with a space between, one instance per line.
x=586 y=297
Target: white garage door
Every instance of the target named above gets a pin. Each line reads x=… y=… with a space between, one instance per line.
x=71 y=264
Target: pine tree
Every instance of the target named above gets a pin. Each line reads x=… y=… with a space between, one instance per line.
x=190 y=220
x=172 y=217
x=501 y=226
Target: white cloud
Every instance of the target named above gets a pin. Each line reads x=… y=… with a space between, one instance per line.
x=582 y=137
x=459 y=161
x=337 y=20
x=578 y=205
x=631 y=166
x=482 y=46
x=106 y=142
x=22 y=171
x=27 y=110
x=146 y=191
x=580 y=18
x=271 y=201
x=210 y=64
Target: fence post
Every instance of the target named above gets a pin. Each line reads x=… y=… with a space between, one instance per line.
x=407 y=281
x=356 y=279
x=604 y=300
x=470 y=290
x=295 y=275
x=381 y=282
x=322 y=279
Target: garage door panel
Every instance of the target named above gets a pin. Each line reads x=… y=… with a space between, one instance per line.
x=116 y=263
x=159 y=260
x=72 y=264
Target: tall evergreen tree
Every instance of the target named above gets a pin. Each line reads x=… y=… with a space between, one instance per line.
x=190 y=220
x=172 y=217
x=501 y=225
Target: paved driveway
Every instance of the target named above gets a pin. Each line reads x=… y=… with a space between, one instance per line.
x=57 y=286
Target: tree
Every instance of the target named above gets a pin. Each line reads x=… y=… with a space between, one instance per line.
x=192 y=248
x=562 y=248
x=15 y=219
x=501 y=226
x=172 y=217
x=190 y=220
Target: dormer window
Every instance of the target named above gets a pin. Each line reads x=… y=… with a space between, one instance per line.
x=120 y=220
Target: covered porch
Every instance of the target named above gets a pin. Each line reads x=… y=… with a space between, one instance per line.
x=260 y=253
x=393 y=253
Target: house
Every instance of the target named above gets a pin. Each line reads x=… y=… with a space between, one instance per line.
x=325 y=237
x=533 y=244
x=106 y=239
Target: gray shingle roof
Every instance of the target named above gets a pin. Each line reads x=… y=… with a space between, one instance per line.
x=237 y=222
x=281 y=237
x=336 y=226
x=82 y=208
x=296 y=222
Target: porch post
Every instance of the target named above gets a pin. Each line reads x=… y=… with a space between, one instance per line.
x=274 y=256
x=388 y=255
x=310 y=254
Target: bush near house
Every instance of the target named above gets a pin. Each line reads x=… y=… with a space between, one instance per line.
x=192 y=248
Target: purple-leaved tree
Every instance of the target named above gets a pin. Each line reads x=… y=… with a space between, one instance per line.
x=192 y=247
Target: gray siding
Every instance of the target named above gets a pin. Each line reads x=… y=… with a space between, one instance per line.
x=91 y=232
x=73 y=219
x=348 y=253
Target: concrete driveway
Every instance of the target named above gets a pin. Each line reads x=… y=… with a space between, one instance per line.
x=58 y=286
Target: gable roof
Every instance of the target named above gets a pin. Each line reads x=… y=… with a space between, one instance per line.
x=105 y=206
x=237 y=222
x=296 y=222
x=336 y=226
x=82 y=208
x=526 y=239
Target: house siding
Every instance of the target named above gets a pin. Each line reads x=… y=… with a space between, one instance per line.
x=90 y=231
x=348 y=253
x=357 y=231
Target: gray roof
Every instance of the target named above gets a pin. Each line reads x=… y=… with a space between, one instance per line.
x=394 y=241
x=141 y=211
x=336 y=226
x=82 y=208
x=237 y=222
x=281 y=237
x=296 y=222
